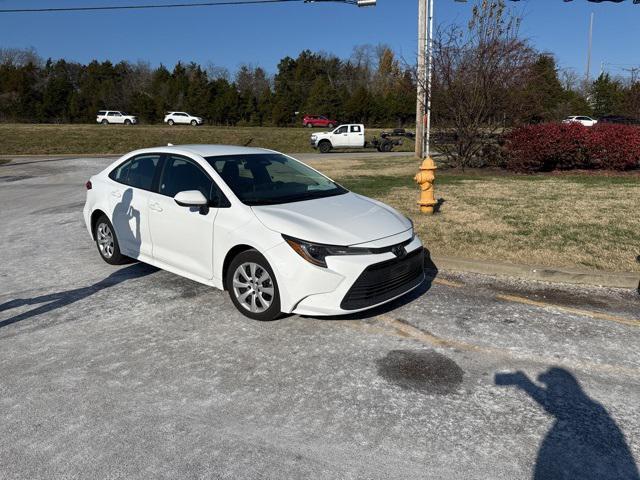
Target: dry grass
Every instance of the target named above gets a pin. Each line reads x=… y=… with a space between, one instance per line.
x=26 y=139
x=579 y=220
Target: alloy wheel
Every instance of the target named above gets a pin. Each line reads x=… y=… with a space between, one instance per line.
x=253 y=287
x=104 y=237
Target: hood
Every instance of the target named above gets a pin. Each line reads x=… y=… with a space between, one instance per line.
x=347 y=219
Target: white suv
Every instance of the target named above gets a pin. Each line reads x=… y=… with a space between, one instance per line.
x=183 y=118
x=105 y=117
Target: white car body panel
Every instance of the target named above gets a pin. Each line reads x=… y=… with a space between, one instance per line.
x=181 y=240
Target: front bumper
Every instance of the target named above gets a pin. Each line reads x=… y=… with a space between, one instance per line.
x=310 y=290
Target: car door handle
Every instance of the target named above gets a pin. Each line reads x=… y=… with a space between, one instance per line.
x=155 y=206
x=116 y=194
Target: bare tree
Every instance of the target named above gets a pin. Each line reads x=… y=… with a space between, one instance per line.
x=478 y=74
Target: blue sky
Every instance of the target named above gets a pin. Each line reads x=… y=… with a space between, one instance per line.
x=261 y=35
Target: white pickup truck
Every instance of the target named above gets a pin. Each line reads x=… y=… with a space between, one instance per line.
x=343 y=136
x=351 y=135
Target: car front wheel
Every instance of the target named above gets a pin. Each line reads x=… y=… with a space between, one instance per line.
x=252 y=286
x=194 y=123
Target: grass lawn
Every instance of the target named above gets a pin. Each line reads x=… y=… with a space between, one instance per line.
x=570 y=220
x=28 y=139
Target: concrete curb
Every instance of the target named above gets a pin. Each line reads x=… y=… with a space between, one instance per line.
x=544 y=274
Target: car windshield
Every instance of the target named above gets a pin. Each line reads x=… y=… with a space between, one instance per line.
x=272 y=178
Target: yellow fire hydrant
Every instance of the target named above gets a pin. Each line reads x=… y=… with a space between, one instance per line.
x=425 y=178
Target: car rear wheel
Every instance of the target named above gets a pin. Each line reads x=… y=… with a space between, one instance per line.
x=252 y=286
x=330 y=125
x=325 y=146
x=308 y=125
x=104 y=121
x=107 y=242
x=170 y=122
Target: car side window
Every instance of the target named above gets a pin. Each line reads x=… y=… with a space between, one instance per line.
x=355 y=128
x=342 y=129
x=181 y=174
x=137 y=172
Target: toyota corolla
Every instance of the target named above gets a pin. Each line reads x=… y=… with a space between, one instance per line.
x=274 y=232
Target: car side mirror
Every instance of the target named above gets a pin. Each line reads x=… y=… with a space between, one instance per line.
x=191 y=198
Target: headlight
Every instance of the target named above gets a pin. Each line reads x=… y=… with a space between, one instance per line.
x=313 y=137
x=316 y=253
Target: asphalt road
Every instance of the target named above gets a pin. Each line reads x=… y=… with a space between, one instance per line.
x=131 y=372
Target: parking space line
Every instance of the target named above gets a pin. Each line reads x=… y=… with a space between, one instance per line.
x=406 y=330
x=576 y=311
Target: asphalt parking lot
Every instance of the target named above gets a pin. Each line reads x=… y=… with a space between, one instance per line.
x=131 y=372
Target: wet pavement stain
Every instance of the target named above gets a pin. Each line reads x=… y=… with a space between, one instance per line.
x=421 y=370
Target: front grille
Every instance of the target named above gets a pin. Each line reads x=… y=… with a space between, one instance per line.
x=385 y=280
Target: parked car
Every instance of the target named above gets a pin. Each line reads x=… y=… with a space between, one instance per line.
x=310 y=121
x=581 y=119
x=182 y=118
x=619 y=119
x=105 y=117
x=275 y=233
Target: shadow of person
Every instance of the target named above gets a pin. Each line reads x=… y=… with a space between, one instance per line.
x=128 y=236
x=584 y=443
x=57 y=300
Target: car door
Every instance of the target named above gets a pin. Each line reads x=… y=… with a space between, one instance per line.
x=128 y=199
x=183 y=236
x=182 y=118
x=340 y=137
x=356 y=136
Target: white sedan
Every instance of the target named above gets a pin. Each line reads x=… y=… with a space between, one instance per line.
x=581 y=119
x=182 y=118
x=275 y=233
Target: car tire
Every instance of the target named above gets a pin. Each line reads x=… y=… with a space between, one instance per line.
x=194 y=123
x=107 y=242
x=127 y=122
x=308 y=125
x=170 y=122
x=386 y=147
x=324 y=146
x=253 y=287
x=104 y=121
x=330 y=125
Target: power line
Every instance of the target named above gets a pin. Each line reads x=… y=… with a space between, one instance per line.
x=141 y=7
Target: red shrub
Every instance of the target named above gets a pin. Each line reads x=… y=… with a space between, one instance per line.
x=552 y=146
x=614 y=147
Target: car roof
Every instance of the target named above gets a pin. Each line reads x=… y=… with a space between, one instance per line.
x=207 y=150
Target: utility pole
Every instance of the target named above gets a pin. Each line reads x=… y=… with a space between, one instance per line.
x=427 y=137
x=589 y=48
x=421 y=100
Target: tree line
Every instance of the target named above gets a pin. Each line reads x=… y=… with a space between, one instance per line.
x=372 y=87
x=484 y=76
